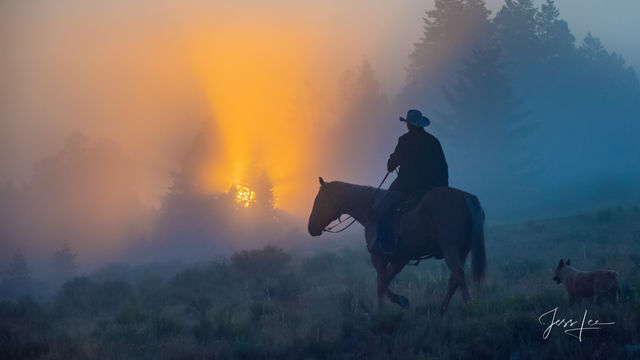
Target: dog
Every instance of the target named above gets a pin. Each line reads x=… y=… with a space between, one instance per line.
x=596 y=285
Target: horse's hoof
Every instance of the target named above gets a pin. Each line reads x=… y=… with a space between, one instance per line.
x=403 y=302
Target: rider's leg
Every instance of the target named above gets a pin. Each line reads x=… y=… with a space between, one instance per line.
x=383 y=216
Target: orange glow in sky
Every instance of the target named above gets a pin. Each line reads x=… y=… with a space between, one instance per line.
x=253 y=77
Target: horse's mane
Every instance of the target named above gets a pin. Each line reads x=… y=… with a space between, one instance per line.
x=348 y=190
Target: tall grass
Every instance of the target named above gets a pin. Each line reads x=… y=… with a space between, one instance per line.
x=272 y=304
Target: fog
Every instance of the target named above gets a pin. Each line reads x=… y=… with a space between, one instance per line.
x=146 y=74
x=137 y=131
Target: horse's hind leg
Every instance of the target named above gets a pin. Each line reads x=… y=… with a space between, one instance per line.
x=463 y=285
x=465 y=290
x=455 y=279
x=451 y=289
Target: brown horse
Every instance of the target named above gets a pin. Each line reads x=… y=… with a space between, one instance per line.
x=447 y=223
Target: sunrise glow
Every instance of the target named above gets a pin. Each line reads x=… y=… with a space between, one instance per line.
x=253 y=78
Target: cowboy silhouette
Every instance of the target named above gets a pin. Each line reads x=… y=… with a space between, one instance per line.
x=422 y=167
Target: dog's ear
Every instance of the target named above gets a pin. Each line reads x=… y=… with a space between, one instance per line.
x=322 y=182
x=560 y=264
x=568 y=261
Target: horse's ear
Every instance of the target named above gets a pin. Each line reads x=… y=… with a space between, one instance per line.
x=568 y=261
x=561 y=263
x=322 y=182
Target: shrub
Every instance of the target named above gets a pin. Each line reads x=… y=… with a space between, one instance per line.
x=268 y=260
x=163 y=327
x=204 y=331
x=76 y=294
x=320 y=264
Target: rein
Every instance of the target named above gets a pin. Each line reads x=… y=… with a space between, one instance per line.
x=329 y=229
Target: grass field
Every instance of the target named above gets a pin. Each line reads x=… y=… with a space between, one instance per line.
x=270 y=303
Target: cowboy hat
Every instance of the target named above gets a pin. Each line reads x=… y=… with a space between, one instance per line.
x=415 y=118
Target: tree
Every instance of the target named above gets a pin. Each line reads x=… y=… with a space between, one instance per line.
x=587 y=97
x=607 y=80
x=487 y=127
x=260 y=182
x=515 y=33
x=17 y=268
x=86 y=190
x=196 y=163
x=195 y=222
x=64 y=260
x=452 y=30
x=556 y=41
x=362 y=121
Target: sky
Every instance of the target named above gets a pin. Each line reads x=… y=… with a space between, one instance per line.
x=147 y=74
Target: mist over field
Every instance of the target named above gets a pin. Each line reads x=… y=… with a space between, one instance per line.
x=159 y=162
x=146 y=131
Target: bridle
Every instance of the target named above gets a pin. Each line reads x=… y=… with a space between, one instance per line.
x=329 y=229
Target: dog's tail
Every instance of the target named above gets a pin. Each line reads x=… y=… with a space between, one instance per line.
x=478 y=254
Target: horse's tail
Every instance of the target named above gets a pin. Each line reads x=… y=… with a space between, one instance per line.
x=478 y=255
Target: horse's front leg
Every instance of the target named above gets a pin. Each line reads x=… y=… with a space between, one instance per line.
x=394 y=269
x=386 y=271
x=380 y=264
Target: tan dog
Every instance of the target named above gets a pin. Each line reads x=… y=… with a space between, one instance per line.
x=587 y=284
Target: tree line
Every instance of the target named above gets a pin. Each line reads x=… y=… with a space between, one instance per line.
x=17 y=275
x=523 y=110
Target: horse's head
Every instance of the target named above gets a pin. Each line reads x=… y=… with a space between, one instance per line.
x=325 y=209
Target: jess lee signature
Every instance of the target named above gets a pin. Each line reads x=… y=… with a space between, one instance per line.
x=572 y=327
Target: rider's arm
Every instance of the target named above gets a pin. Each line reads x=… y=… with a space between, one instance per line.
x=391 y=164
x=394 y=159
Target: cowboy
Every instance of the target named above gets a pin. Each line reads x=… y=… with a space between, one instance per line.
x=422 y=167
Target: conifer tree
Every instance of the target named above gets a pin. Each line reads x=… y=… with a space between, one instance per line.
x=452 y=30
x=515 y=32
x=555 y=38
x=362 y=121
x=486 y=126
x=64 y=260
x=18 y=268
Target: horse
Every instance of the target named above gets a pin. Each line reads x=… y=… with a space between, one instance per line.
x=446 y=223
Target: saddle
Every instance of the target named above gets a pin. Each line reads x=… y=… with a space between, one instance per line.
x=393 y=245
x=387 y=235
x=408 y=204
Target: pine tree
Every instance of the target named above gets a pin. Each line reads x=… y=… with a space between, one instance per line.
x=516 y=34
x=555 y=38
x=263 y=187
x=194 y=165
x=487 y=127
x=452 y=30
x=64 y=260
x=362 y=120
x=607 y=77
x=18 y=269
x=593 y=50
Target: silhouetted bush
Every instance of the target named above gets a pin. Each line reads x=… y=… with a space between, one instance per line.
x=320 y=264
x=268 y=260
x=203 y=332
